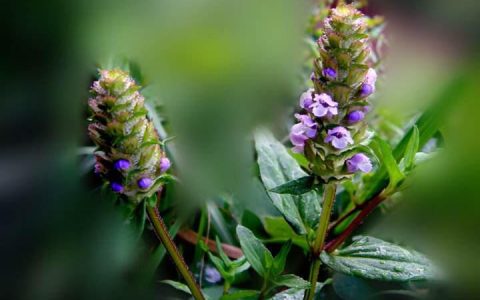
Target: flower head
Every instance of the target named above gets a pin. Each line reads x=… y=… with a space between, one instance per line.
x=339 y=137
x=330 y=73
x=323 y=105
x=301 y=132
x=116 y=187
x=144 y=183
x=306 y=99
x=164 y=164
x=355 y=116
x=359 y=162
x=122 y=164
x=368 y=86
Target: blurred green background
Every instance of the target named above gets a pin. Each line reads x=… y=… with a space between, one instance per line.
x=217 y=69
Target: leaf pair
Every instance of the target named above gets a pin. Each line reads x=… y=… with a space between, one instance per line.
x=263 y=262
x=228 y=268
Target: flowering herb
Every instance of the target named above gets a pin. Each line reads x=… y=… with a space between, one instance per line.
x=129 y=155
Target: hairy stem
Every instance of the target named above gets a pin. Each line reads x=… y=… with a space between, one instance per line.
x=162 y=233
x=328 y=200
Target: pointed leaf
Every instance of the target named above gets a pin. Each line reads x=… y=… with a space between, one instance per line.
x=178 y=285
x=281 y=258
x=297 y=187
x=278 y=167
x=241 y=295
x=256 y=253
x=384 y=153
x=295 y=293
x=292 y=281
x=411 y=150
x=280 y=231
x=220 y=251
x=375 y=259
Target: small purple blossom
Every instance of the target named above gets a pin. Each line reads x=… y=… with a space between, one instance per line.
x=330 y=73
x=368 y=86
x=323 y=105
x=116 y=187
x=301 y=132
x=306 y=99
x=355 y=116
x=339 y=137
x=121 y=165
x=144 y=183
x=313 y=77
x=359 y=162
x=164 y=164
x=212 y=275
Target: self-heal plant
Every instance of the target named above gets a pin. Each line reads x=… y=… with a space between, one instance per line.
x=129 y=155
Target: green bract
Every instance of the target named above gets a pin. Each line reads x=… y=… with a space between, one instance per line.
x=120 y=128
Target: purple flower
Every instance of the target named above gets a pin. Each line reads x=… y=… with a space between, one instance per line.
x=306 y=99
x=359 y=162
x=323 y=105
x=313 y=77
x=212 y=275
x=144 y=183
x=368 y=86
x=330 y=73
x=355 y=116
x=116 y=187
x=339 y=137
x=301 y=132
x=164 y=164
x=121 y=165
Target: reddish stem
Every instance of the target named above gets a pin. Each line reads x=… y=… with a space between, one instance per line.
x=191 y=237
x=367 y=209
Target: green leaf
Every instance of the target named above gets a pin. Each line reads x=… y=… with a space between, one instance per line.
x=296 y=187
x=220 y=251
x=375 y=259
x=256 y=253
x=281 y=258
x=296 y=293
x=292 y=281
x=280 y=231
x=220 y=266
x=178 y=285
x=278 y=167
x=411 y=150
x=384 y=153
x=242 y=294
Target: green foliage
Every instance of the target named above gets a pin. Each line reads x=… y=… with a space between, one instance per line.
x=267 y=266
x=278 y=167
x=280 y=231
x=228 y=269
x=296 y=187
x=372 y=258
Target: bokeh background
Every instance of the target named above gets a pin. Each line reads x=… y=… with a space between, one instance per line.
x=217 y=69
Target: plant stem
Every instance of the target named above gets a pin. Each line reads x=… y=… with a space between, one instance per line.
x=369 y=207
x=328 y=200
x=162 y=233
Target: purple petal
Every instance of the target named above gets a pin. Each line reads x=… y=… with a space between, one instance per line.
x=164 y=164
x=298 y=149
x=306 y=99
x=319 y=111
x=122 y=165
x=116 y=187
x=340 y=143
x=355 y=116
x=144 y=183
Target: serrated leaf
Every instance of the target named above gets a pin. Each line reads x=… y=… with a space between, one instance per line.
x=292 y=281
x=278 y=167
x=256 y=253
x=280 y=231
x=297 y=187
x=281 y=258
x=384 y=153
x=372 y=258
x=242 y=294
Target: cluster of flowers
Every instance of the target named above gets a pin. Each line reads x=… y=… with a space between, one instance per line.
x=331 y=126
x=129 y=154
